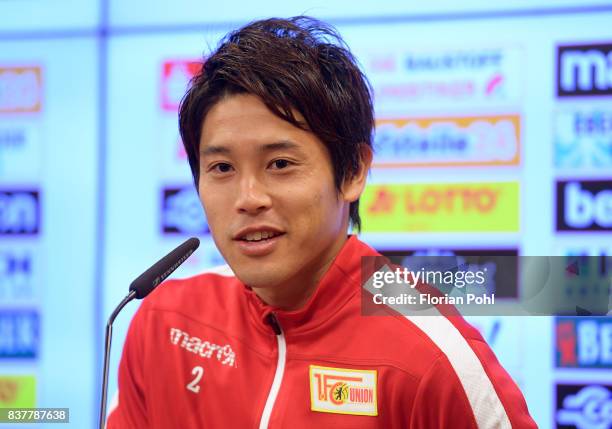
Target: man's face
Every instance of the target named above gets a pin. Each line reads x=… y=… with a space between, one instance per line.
x=268 y=191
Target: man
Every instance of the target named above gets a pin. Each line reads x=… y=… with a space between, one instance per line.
x=278 y=131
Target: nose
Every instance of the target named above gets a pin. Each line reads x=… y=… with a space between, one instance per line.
x=253 y=196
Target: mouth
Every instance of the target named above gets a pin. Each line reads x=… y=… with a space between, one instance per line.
x=258 y=242
x=259 y=236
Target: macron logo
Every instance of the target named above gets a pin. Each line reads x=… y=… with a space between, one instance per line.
x=205 y=349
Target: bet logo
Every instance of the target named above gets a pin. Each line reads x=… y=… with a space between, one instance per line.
x=584 y=205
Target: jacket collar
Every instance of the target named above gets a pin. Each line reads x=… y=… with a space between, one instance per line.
x=336 y=287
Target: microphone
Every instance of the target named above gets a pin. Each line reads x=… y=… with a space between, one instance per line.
x=139 y=289
x=147 y=281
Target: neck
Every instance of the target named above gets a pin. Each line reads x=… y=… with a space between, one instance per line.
x=295 y=292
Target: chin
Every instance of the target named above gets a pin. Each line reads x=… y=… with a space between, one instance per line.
x=257 y=277
x=258 y=281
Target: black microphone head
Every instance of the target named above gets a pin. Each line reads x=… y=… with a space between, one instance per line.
x=147 y=281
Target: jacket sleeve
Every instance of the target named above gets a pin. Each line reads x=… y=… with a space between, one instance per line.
x=442 y=401
x=131 y=412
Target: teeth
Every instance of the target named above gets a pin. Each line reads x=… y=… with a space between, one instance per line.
x=259 y=235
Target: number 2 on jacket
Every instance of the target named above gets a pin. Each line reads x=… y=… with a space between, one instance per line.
x=197 y=371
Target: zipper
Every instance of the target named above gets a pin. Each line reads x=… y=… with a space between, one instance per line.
x=278 y=375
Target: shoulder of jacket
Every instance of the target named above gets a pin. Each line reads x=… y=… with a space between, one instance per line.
x=205 y=284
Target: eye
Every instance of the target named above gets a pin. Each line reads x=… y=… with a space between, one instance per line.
x=221 y=167
x=279 y=164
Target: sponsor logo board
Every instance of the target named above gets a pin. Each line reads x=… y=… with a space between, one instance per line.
x=584 y=205
x=583 y=138
x=172 y=157
x=460 y=141
x=21 y=89
x=19 y=334
x=505 y=336
x=175 y=78
x=489 y=328
x=16 y=274
x=181 y=211
x=19 y=212
x=441 y=207
x=500 y=266
x=584 y=70
x=582 y=406
x=598 y=251
x=583 y=342
x=588 y=277
x=343 y=391
x=448 y=75
x=17 y=391
x=20 y=151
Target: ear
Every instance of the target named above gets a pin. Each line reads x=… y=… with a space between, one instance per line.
x=353 y=186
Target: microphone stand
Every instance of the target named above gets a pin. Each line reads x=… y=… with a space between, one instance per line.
x=107 y=348
x=140 y=288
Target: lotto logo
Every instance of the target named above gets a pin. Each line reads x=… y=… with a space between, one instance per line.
x=584 y=205
x=441 y=207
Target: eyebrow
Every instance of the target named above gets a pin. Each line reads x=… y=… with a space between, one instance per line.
x=268 y=147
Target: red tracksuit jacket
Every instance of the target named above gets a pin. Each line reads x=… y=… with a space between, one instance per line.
x=205 y=352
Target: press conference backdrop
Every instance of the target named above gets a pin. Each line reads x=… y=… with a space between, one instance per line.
x=494 y=133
